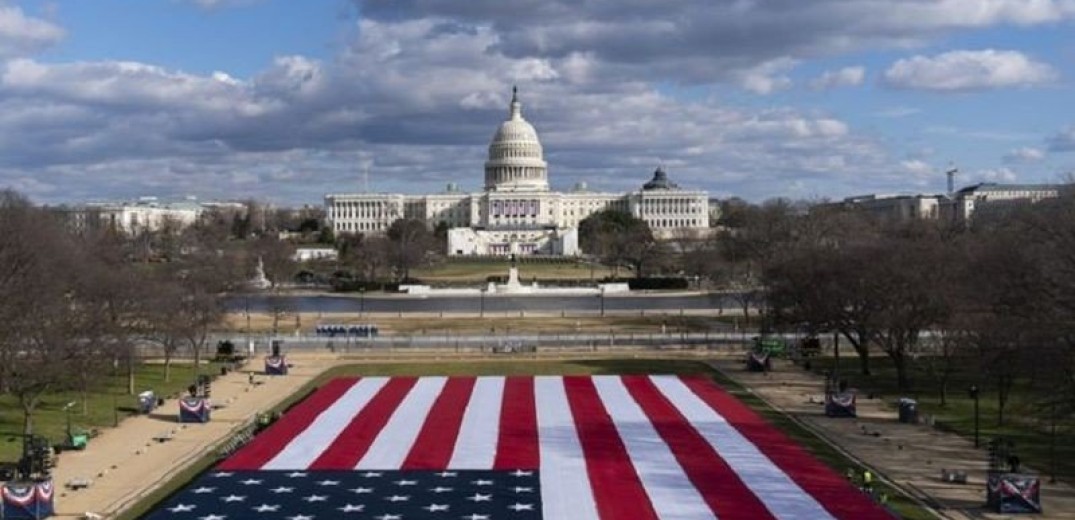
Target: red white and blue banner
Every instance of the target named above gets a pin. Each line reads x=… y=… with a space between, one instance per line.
x=275 y=365
x=194 y=409
x=546 y=447
x=1009 y=493
x=841 y=405
x=27 y=500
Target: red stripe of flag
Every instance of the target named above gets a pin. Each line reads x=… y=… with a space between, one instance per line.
x=718 y=483
x=826 y=486
x=517 y=445
x=616 y=487
x=436 y=441
x=270 y=442
x=355 y=439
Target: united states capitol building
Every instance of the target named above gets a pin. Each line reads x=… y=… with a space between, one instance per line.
x=516 y=213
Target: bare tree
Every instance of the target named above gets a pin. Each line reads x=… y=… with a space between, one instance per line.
x=277 y=257
x=412 y=243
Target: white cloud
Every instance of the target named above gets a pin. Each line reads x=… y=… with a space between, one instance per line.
x=897 y=112
x=21 y=35
x=1063 y=141
x=845 y=77
x=969 y=70
x=767 y=77
x=420 y=86
x=997 y=175
x=1024 y=154
x=917 y=167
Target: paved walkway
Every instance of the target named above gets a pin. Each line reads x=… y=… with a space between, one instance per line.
x=911 y=456
x=122 y=464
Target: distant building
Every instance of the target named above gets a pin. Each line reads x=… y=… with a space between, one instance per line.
x=305 y=254
x=516 y=212
x=899 y=207
x=993 y=199
x=133 y=217
x=978 y=199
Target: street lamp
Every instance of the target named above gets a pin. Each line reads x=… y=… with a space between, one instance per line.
x=67 y=409
x=974 y=395
x=361 y=301
x=481 y=309
x=601 y=296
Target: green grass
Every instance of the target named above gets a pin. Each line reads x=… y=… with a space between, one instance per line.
x=904 y=506
x=478 y=271
x=105 y=405
x=1030 y=435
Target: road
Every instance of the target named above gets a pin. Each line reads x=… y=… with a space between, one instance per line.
x=399 y=303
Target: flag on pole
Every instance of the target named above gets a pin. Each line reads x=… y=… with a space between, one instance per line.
x=544 y=447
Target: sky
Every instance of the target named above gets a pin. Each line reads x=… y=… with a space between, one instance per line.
x=286 y=101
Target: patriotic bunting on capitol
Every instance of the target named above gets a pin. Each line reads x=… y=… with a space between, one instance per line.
x=545 y=447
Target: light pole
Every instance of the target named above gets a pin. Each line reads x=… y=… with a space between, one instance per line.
x=601 y=296
x=974 y=395
x=361 y=301
x=481 y=299
x=67 y=409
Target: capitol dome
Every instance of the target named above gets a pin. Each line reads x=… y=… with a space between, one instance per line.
x=515 y=156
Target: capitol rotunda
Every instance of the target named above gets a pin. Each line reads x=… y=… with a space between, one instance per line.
x=517 y=212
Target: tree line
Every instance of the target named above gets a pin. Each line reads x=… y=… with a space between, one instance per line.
x=74 y=306
x=996 y=294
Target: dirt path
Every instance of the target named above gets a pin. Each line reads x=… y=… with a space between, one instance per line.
x=124 y=463
x=911 y=456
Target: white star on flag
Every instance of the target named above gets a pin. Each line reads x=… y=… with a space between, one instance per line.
x=432 y=508
x=233 y=498
x=283 y=489
x=478 y=497
x=266 y=508
x=352 y=508
x=315 y=498
x=204 y=490
x=182 y=508
x=521 y=507
x=397 y=498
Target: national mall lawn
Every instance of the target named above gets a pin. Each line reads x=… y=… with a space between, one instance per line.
x=106 y=405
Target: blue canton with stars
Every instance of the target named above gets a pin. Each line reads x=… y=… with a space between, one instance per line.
x=375 y=495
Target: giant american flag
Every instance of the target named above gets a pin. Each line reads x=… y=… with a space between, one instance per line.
x=550 y=447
